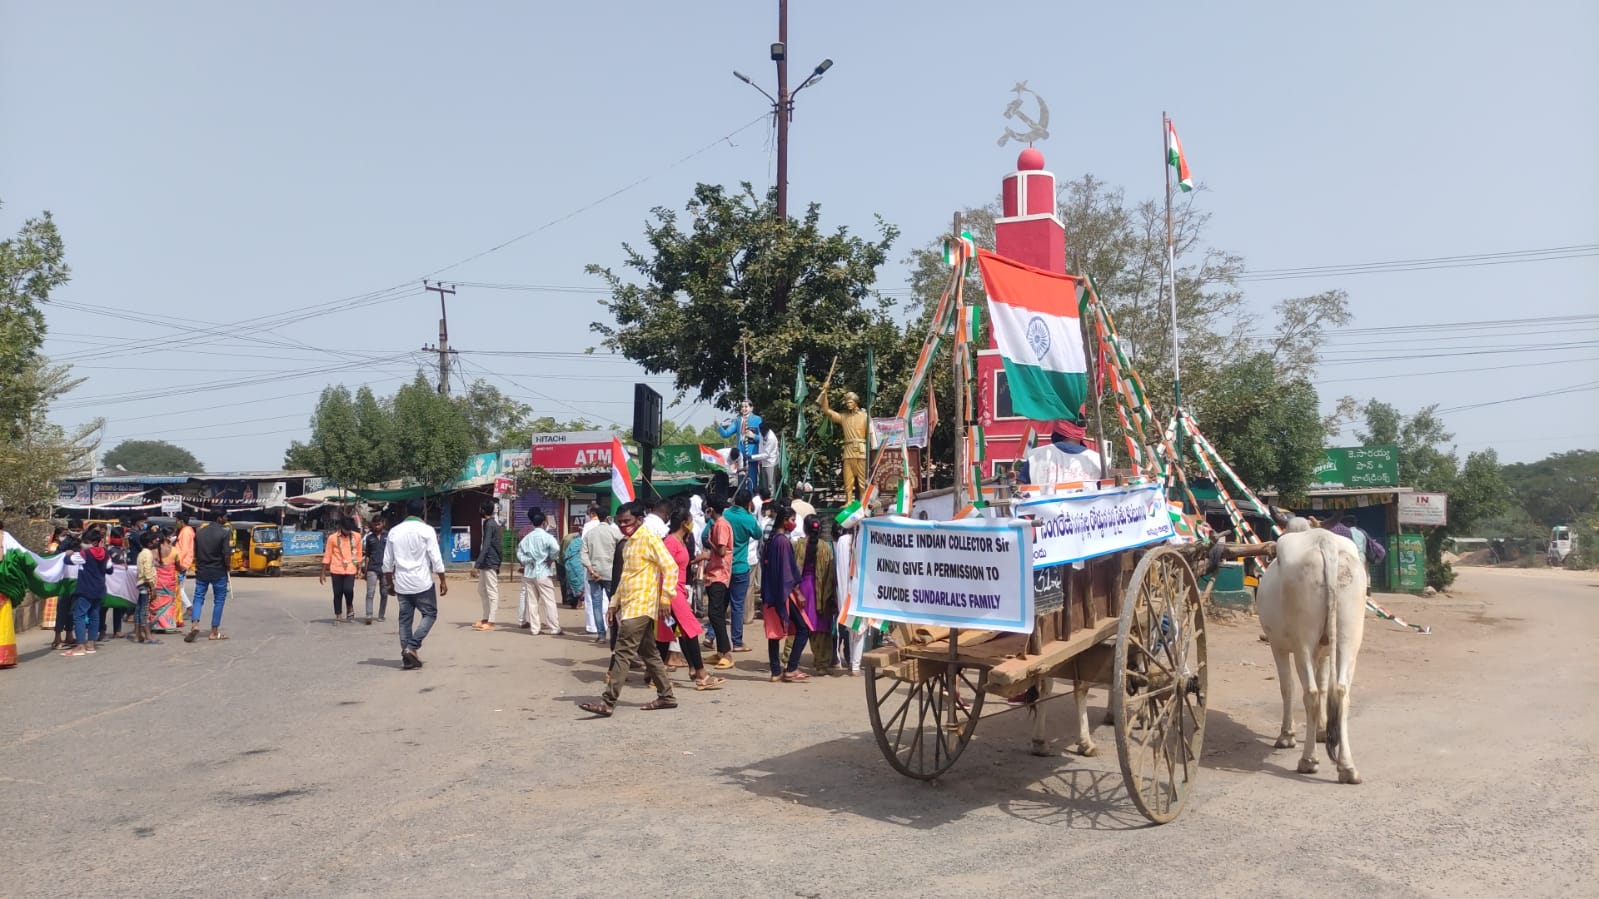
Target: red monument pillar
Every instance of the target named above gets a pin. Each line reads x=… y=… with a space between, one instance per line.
x=1028 y=231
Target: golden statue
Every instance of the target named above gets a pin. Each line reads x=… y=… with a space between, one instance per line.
x=855 y=423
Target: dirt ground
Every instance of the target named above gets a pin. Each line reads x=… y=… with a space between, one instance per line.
x=296 y=759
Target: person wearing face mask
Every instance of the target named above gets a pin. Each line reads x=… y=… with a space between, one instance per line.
x=782 y=604
x=643 y=595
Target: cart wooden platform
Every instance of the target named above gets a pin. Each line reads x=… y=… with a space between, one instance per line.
x=1132 y=621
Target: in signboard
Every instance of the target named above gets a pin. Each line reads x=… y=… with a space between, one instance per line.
x=1427 y=509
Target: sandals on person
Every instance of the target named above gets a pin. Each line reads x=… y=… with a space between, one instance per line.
x=597 y=709
x=723 y=663
x=659 y=704
x=742 y=648
x=794 y=677
x=217 y=637
x=710 y=683
x=192 y=636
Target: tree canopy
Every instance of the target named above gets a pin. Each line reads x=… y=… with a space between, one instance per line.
x=34 y=451
x=734 y=280
x=152 y=457
x=1427 y=462
x=417 y=436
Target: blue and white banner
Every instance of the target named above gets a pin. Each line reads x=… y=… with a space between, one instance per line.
x=1086 y=525
x=304 y=543
x=973 y=573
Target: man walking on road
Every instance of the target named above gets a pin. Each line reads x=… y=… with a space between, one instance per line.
x=598 y=555
x=213 y=556
x=487 y=568
x=410 y=562
x=746 y=552
x=649 y=581
x=372 y=567
x=539 y=553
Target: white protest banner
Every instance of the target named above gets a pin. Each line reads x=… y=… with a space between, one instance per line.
x=1085 y=525
x=972 y=573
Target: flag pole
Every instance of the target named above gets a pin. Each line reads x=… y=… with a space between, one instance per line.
x=956 y=349
x=1171 y=275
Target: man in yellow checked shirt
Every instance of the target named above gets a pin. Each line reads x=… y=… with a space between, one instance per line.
x=649 y=580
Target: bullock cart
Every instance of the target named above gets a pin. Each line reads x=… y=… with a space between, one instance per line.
x=1132 y=620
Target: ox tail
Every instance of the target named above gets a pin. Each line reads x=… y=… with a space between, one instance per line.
x=1330 y=564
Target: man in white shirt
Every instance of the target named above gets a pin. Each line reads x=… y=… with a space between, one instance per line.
x=655 y=522
x=1064 y=460
x=767 y=457
x=540 y=555
x=411 y=560
x=598 y=554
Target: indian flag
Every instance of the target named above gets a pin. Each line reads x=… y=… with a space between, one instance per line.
x=713 y=457
x=1176 y=159
x=1033 y=314
x=621 y=474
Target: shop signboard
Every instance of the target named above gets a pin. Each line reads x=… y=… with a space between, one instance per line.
x=1427 y=509
x=481 y=465
x=71 y=493
x=573 y=452
x=1358 y=466
x=171 y=503
x=304 y=543
x=1407 y=562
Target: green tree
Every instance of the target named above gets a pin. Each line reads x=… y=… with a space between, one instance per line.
x=1560 y=489
x=374 y=430
x=1428 y=463
x=1266 y=426
x=432 y=438
x=34 y=452
x=336 y=449
x=733 y=280
x=493 y=417
x=32 y=265
x=152 y=457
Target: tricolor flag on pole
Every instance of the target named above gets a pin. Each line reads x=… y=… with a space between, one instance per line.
x=621 y=474
x=713 y=457
x=1033 y=314
x=1176 y=159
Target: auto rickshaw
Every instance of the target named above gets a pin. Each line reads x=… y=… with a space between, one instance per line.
x=257 y=548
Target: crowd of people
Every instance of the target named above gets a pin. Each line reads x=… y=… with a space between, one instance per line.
x=163 y=559
x=670 y=584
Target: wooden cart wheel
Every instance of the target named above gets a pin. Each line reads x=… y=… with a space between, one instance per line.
x=924 y=720
x=1158 y=690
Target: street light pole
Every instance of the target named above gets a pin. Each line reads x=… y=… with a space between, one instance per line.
x=785 y=109
x=783 y=103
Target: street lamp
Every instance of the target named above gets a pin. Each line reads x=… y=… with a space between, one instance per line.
x=783 y=103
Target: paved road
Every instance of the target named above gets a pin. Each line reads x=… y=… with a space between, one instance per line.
x=297 y=760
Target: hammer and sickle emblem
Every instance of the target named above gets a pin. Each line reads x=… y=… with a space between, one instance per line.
x=1037 y=129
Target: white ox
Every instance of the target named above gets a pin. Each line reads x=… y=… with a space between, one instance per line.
x=1312 y=607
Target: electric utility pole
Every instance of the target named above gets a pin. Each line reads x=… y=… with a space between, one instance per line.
x=443 y=349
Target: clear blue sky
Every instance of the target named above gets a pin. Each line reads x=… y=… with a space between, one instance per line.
x=220 y=163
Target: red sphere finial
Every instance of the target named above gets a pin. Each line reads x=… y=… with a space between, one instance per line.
x=1030 y=160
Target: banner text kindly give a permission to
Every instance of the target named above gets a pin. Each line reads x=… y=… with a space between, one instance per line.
x=1085 y=525
x=955 y=574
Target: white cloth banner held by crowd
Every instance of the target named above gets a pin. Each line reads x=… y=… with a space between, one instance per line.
x=1086 y=525
x=949 y=573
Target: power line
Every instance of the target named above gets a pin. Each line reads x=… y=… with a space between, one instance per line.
x=613 y=194
x=1572 y=251
x=1456 y=371
x=1558 y=391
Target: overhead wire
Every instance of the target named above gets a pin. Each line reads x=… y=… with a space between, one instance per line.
x=1558 y=391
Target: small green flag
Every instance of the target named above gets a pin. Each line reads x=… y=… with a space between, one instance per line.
x=871 y=380
x=800 y=390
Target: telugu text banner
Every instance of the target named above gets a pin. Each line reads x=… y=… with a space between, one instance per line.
x=1085 y=525
x=972 y=573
